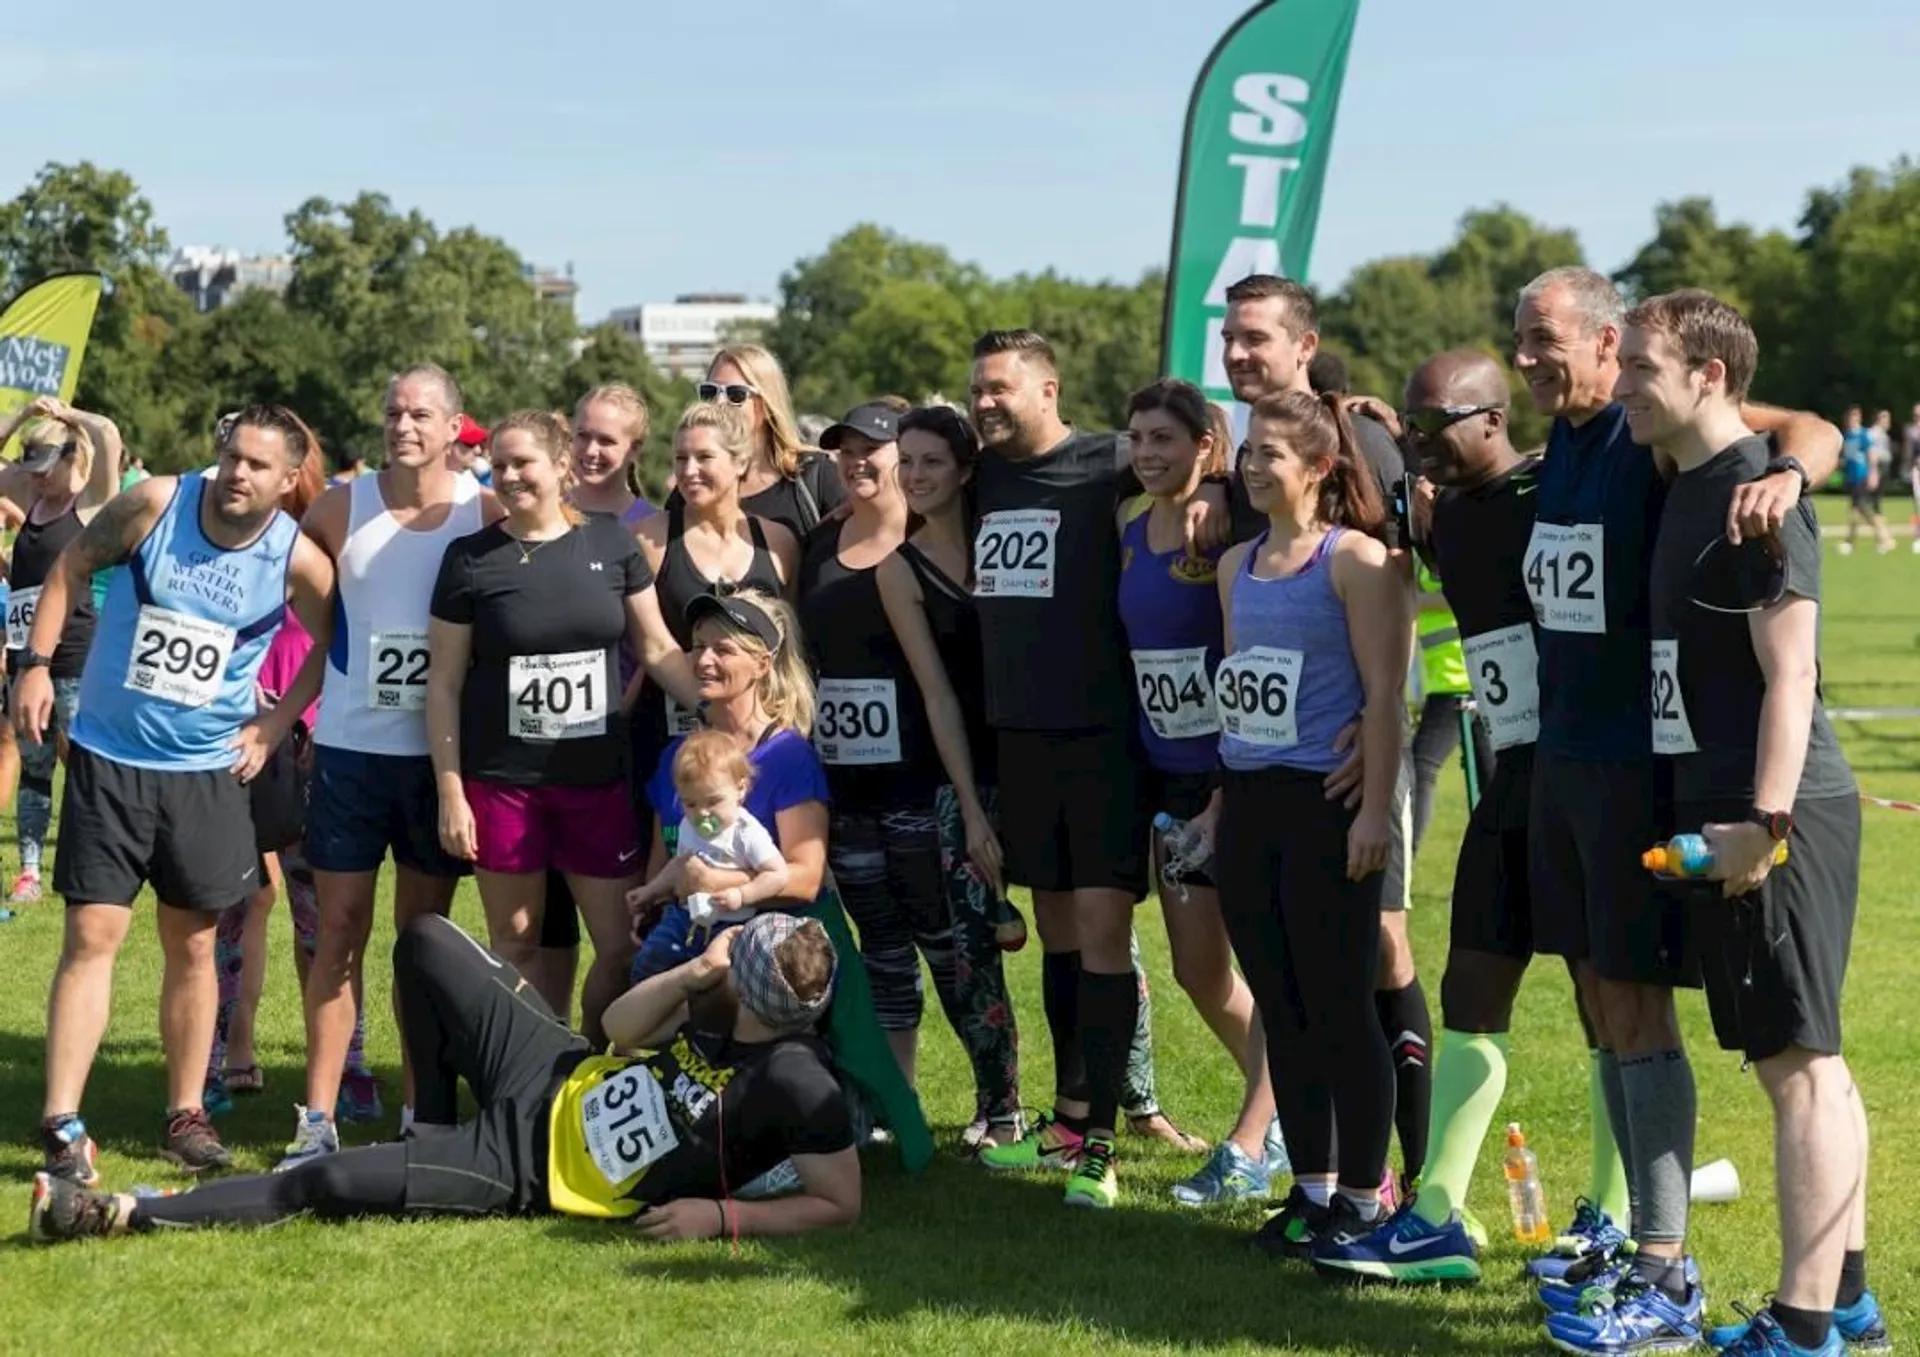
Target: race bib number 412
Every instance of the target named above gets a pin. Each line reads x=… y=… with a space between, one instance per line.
x=1014 y=553
x=1565 y=576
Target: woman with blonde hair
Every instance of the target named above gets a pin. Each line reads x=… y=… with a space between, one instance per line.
x=68 y=468
x=609 y=429
x=525 y=722
x=794 y=485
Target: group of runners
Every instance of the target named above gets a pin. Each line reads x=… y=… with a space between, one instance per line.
x=966 y=653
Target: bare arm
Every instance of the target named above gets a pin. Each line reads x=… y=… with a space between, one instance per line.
x=803 y=842
x=829 y=1195
x=1380 y=629
x=309 y=587
x=653 y=1010
x=103 y=480
x=449 y=648
x=653 y=645
x=1760 y=506
x=786 y=555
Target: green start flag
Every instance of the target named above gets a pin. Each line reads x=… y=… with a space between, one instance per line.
x=43 y=336
x=1259 y=128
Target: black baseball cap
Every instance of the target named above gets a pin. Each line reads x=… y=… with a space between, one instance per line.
x=873 y=421
x=738 y=612
x=38 y=455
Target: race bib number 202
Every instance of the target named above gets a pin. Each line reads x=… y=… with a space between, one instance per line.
x=1014 y=554
x=1565 y=575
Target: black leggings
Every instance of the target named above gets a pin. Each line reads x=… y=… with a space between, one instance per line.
x=1308 y=942
x=466 y=1015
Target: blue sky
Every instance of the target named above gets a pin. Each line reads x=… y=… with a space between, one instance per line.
x=665 y=146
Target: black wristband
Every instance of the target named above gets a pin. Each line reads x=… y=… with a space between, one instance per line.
x=1785 y=463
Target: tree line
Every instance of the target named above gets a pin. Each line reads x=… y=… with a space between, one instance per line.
x=373 y=288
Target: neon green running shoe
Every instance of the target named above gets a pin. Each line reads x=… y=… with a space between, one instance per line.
x=1049 y=1145
x=1094 y=1183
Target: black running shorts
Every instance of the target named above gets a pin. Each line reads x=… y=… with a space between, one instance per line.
x=1071 y=813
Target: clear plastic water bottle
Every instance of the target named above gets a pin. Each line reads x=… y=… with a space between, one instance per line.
x=1525 y=1195
x=1691 y=856
x=1184 y=852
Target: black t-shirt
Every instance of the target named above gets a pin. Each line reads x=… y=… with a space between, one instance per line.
x=35 y=550
x=799 y=503
x=954 y=619
x=870 y=725
x=542 y=697
x=1478 y=543
x=1377 y=448
x=1046 y=562
x=775 y=1100
x=1707 y=686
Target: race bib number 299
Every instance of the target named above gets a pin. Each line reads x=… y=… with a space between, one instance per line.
x=1565 y=575
x=179 y=658
x=1014 y=554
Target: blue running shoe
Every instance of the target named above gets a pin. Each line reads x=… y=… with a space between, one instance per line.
x=1403 y=1249
x=1229 y=1175
x=1592 y=1229
x=1860 y=1327
x=1641 y=1319
x=1762 y=1336
x=1279 y=1164
x=1594 y=1290
x=1552 y=1267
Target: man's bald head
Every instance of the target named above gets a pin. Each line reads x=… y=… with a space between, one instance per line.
x=1457 y=377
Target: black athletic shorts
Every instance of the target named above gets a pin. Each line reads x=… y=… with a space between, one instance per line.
x=1070 y=810
x=1183 y=796
x=1864 y=500
x=1589 y=822
x=190 y=834
x=1774 y=961
x=1492 y=899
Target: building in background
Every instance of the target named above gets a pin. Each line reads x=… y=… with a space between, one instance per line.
x=558 y=288
x=213 y=276
x=681 y=336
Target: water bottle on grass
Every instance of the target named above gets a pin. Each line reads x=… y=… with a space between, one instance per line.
x=1525 y=1195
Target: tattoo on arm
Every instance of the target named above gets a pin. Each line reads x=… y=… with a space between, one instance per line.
x=103 y=542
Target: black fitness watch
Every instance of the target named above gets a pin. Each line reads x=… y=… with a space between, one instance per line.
x=1785 y=463
x=31 y=659
x=1777 y=823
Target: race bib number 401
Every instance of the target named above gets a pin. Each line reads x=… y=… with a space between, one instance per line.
x=1256 y=690
x=397 y=671
x=1504 y=668
x=1175 y=695
x=178 y=658
x=1566 y=576
x=625 y=1125
x=1672 y=732
x=20 y=609
x=557 y=697
x=1014 y=553
x=857 y=723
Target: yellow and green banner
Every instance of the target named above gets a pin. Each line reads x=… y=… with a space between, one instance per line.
x=1259 y=130
x=43 y=336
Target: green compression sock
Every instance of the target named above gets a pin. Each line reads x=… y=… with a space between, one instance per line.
x=1468 y=1079
x=1607 y=1176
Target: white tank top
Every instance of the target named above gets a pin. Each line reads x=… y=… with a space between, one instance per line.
x=374 y=696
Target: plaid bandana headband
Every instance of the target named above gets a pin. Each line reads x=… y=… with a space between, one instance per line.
x=757 y=978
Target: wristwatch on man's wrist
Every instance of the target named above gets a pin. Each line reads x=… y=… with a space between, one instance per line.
x=1785 y=463
x=1777 y=823
x=31 y=659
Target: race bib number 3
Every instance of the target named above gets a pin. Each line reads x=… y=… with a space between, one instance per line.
x=1565 y=575
x=1505 y=670
x=1672 y=732
x=178 y=658
x=1013 y=554
x=625 y=1125
x=397 y=671
x=1256 y=690
x=858 y=722
x=20 y=610
x=1174 y=693
x=557 y=697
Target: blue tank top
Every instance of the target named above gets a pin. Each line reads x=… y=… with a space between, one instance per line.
x=1291 y=684
x=1170 y=607
x=170 y=677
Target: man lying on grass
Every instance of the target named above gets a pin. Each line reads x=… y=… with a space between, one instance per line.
x=665 y=1134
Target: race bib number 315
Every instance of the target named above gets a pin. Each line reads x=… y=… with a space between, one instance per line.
x=624 y=1122
x=1565 y=576
x=1505 y=670
x=178 y=658
x=1013 y=554
x=857 y=723
x=557 y=697
x=1256 y=689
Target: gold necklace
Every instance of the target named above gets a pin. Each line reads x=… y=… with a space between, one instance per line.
x=526 y=555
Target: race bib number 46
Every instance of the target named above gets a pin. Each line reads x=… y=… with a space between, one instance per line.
x=1174 y=693
x=20 y=609
x=625 y=1125
x=557 y=697
x=1672 y=732
x=1256 y=690
x=397 y=671
x=1505 y=670
x=1013 y=554
x=858 y=722
x=1565 y=575
x=178 y=658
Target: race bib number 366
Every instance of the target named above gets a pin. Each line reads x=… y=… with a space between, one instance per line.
x=20 y=609
x=1256 y=690
x=1013 y=554
x=1505 y=670
x=178 y=658
x=557 y=697
x=624 y=1122
x=1565 y=575
x=397 y=671
x=858 y=722
x=1174 y=693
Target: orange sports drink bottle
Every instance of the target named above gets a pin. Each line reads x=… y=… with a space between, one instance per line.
x=1524 y=1193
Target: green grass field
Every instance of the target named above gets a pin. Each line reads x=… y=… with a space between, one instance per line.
x=954 y=1261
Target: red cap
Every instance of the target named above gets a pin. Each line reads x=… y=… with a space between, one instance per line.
x=472 y=433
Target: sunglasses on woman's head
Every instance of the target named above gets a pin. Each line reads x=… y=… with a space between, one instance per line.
x=733 y=393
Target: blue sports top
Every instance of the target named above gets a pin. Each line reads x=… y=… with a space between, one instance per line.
x=1170 y=607
x=170 y=677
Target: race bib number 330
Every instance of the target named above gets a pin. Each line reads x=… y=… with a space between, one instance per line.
x=1256 y=689
x=857 y=722
x=557 y=697
x=1014 y=553
x=1566 y=577
x=178 y=658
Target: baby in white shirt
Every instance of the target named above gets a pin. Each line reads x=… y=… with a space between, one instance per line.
x=711 y=776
